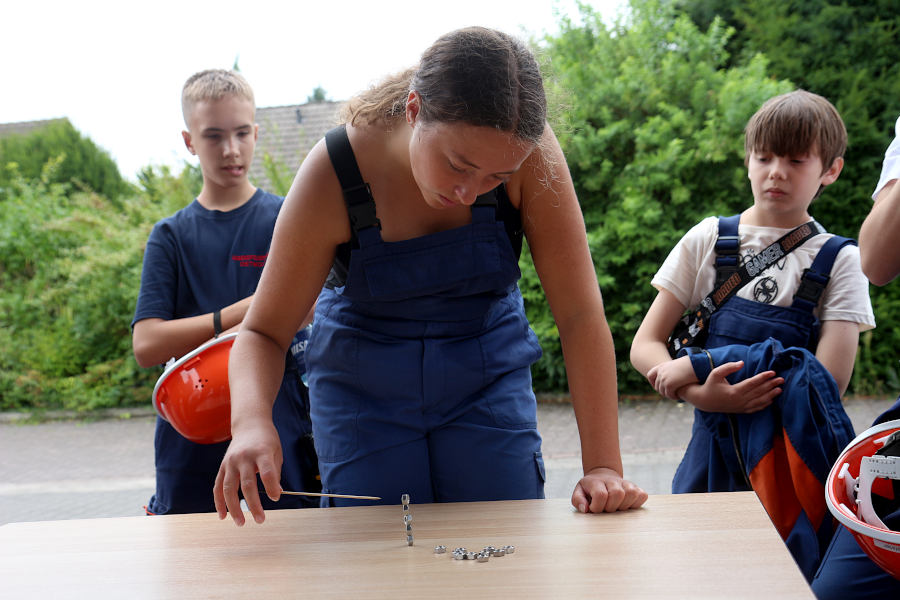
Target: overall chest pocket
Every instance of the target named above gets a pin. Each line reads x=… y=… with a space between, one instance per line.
x=742 y=321
x=462 y=266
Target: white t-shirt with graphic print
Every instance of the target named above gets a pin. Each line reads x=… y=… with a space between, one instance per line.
x=689 y=273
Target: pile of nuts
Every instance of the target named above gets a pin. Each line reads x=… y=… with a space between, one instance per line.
x=458 y=553
x=486 y=553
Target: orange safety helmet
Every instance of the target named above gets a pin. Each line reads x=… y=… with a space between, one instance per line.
x=192 y=393
x=861 y=491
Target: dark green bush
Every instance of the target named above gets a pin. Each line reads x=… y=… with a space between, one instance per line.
x=82 y=166
x=652 y=129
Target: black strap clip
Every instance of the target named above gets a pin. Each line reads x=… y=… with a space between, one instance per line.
x=727 y=250
x=360 y=207
x=812 y=284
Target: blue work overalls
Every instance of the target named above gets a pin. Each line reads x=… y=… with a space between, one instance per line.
x=419 y=363
x=727 y=451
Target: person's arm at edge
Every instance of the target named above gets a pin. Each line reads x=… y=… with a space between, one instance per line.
x=555 y=231
x=878 y=251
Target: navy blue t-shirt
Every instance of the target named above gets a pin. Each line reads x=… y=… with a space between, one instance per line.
x=199 y=260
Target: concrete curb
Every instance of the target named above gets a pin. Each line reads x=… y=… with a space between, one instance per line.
x=46 y=416
x=8 y=418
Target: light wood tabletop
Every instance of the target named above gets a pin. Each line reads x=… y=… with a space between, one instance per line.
x=678 y=546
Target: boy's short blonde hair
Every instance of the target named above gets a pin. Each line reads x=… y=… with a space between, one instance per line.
x=213 y=84
x=795 y=124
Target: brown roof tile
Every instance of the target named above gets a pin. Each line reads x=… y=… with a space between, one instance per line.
x=25 y=127
x=287 y=134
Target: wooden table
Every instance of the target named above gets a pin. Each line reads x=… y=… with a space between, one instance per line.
x=685 y=546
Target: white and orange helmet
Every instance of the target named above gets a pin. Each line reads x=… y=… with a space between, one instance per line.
x=863 y=488
x=192 y=393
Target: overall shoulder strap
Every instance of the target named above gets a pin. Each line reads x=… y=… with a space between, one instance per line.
x=815 y=278
x=495 y=205
x=484 y=208
x=755 y=265
x=357 y=195
x=728 y=245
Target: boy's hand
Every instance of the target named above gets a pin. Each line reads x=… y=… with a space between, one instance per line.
x=747 y=396
x=670 y=376
x=256 y=450
x=604 y=490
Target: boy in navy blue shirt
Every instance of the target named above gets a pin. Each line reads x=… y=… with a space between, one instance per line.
x=201 y=267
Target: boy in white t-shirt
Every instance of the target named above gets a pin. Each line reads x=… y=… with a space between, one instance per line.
x=794 y=147
x=767 y=381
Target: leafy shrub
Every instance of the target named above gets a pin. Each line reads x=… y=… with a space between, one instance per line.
x=70 y=266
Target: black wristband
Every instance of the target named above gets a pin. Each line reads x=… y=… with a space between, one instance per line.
x=217 y=322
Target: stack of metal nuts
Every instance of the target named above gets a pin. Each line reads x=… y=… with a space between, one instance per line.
x=407 y=519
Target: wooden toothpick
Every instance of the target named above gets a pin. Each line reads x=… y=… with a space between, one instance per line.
x=320 y=495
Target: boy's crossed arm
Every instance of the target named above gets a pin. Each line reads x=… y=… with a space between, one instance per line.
x=676 y=379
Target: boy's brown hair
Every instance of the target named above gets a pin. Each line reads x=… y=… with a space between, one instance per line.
x=795 y=124
x=213 y=84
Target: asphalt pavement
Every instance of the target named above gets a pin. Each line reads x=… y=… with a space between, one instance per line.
x=81 y=469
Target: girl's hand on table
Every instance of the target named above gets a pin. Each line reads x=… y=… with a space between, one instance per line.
x=604 y=490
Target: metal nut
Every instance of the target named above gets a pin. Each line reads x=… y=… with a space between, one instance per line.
x=482 y=557
x=510 y=549
x=404 y=499
x=440 y=549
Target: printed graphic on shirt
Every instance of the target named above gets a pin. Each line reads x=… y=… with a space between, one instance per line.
x=765 y=290
x=298 y=348
x=748 y=257
x=250 y=260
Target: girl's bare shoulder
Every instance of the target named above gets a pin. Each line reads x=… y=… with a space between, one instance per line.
x=316 y=198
